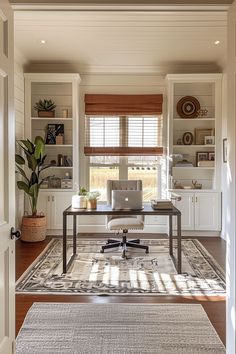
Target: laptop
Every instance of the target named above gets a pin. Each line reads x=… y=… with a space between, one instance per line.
x=127 y=200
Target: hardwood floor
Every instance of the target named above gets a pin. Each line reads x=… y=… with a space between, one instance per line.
x=214 y=306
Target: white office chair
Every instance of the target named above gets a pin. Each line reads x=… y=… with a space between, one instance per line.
x=122 y=224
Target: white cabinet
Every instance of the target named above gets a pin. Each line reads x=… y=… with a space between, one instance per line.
x=201 y=211
x=207 y=211
x=52 y=204
x=185 y=205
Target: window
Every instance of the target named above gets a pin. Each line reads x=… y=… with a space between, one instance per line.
x=140 y=133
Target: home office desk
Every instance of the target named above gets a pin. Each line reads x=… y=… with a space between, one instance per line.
x=106 y=210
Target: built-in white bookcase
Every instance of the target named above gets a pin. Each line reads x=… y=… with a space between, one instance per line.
x=206 y=89
x=63 y=89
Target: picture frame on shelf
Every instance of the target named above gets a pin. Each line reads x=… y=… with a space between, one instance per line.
x=211 y=156
x=55 y=134
x=202 y=156
x=209 y=140
x=200 y=135
x=225 y=150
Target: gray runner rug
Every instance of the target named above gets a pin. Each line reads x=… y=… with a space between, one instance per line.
x=64 y=328
x=109 y=274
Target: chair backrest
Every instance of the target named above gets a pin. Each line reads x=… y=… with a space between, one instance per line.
x=135 y=185
x=123 y=184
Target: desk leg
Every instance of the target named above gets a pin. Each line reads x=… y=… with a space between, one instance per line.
x=170 y=236
x=179 y=269
x=64 y=242
x=74 y=234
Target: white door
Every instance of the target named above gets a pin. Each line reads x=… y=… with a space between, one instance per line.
x=7 y=181
x=186 y=206
x=207 y=211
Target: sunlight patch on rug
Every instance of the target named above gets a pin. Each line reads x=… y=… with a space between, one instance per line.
x=108 y=273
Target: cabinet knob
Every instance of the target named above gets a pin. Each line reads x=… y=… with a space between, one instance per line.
x=53 y=198
x=196 y=199
x=48 y=198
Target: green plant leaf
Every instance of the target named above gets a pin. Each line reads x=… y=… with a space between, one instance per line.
x=19 y=159
x=32 y=162
x=28 y=145
x=22 y=185
x=33 y=191
x=33 y=178
x=39 y=148
x=22 y=172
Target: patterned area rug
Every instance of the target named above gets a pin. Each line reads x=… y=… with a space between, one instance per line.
x=108 y=273
x=51 y=328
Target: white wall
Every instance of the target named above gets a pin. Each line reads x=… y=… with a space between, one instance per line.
x=19 y=124
x=230 y=179
x=224 y=165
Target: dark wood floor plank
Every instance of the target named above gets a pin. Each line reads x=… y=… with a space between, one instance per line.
x=214 y=306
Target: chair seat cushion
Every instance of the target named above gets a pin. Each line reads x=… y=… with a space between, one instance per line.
x=125 y=223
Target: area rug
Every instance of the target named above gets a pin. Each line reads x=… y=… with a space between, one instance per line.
x=108 y=273
x=51 y=328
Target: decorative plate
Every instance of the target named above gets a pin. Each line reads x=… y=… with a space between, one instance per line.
x=188 y=107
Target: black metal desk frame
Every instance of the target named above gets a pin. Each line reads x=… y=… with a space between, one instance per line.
x=106 y=210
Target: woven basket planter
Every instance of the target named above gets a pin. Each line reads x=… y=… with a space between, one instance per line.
x=33 y=229
x=46 y=114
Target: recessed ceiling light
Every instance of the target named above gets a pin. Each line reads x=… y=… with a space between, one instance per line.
x=43 y=41
x=217 y=42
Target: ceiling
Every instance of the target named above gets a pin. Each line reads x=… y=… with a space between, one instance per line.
x=122 y=41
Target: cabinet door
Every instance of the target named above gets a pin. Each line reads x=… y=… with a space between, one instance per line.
x=207 y=211
x=44 y=206
x=186 y=206
x=60 y=201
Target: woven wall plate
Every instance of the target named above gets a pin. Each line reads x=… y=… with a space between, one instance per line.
x=188 y=107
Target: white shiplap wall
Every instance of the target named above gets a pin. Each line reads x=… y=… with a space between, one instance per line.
x=19 y=124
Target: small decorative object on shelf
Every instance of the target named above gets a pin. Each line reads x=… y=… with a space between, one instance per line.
x=187 y=138
x=188 y=107
x=179 y=141
x=177 y=185
x=209 y=140
x=205 y=159
x=65 y=113
x=45 y=108
x=196 y=185
x=202 y=113
x=201 y=133
x=54 y=182
x=92 y=199
x=53 y=163
x=59 y=139
x=54 y=132
x=184 y=163
x=60 y=160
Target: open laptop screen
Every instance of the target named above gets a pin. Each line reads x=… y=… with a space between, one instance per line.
x=127 y=200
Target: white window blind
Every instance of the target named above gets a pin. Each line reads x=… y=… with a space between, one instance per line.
x=124 y=135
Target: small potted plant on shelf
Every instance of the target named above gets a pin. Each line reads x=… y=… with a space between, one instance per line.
x=45 y=108
x=92 y=199
x=33 y=226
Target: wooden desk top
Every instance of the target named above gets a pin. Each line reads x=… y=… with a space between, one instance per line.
x=103 y=209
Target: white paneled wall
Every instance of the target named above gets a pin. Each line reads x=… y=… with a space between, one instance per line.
x=19 y=124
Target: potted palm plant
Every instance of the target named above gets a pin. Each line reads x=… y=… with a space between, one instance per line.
x=33 y=226
x=45 y=108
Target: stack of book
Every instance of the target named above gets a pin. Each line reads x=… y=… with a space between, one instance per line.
x=161 y=204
